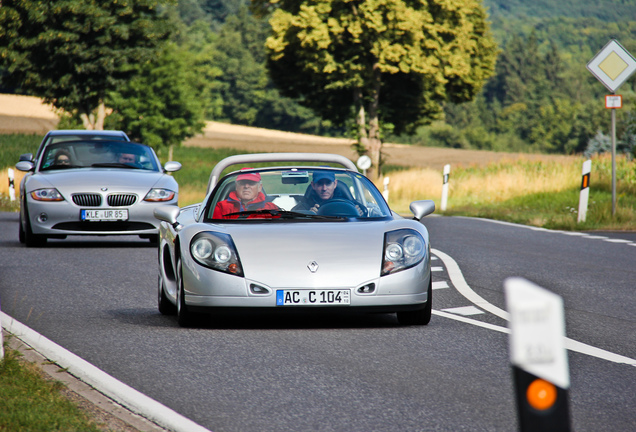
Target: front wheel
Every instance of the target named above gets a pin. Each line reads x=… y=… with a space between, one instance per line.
x=165 y=306
x=185 y=318
x=30 y=239
x=420 y=316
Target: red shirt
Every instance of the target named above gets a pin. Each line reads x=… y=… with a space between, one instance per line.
x=233 y=204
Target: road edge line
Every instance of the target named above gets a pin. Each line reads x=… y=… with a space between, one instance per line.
x=121 y=393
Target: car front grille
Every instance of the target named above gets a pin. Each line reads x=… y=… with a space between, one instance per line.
x=121 y=200
x=87 y=199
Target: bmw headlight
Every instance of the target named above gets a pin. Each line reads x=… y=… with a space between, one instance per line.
x=216 y=251
x=403 y=249
x=47 y=195
x=159 y=195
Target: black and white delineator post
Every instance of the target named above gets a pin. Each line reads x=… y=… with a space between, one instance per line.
x=446 y=174
x=584 y=196
x=11 y=184
x=538 y=356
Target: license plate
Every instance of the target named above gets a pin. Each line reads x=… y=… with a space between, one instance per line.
x=312 y=297
x=104 y=215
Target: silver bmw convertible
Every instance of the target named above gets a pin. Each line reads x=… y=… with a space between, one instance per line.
x=89 y=186
x=314 y=234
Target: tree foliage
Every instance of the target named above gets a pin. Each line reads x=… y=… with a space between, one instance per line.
x=73 y=52
x=342 y=57
x=159 y=106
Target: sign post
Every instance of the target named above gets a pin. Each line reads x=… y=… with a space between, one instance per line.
x=538 y=356
x=612 y=66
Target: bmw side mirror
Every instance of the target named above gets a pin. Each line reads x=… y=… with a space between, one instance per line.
x=26 y=157
x=422 y=208
x=25 y=166
x=172 y=166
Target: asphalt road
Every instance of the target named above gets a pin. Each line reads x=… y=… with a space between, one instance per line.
x=97 y=298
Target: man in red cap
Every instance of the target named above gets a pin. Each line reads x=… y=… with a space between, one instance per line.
x=248 y=195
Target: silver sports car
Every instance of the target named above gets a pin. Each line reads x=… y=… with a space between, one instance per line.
x=293 y=237
x=93 y=187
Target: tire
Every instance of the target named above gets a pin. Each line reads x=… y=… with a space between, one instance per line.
x=21 y=234
x=165 y=306
x=420 y=316
x=30 y=239
x=185 y=318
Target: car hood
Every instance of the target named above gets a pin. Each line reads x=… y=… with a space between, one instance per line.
x=346 y=254
x=93 y=179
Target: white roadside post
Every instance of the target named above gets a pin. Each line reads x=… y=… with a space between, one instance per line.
x=538 y=356
x=584 y=196
x=11 y=184
x=385 y=193
x=446 y=174
x=1 y=339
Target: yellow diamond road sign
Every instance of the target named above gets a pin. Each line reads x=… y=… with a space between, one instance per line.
x=613 y=65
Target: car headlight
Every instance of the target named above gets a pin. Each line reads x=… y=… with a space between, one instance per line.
x=159 y=195
x=403 y=249
x=217 y=252
x=47 y=195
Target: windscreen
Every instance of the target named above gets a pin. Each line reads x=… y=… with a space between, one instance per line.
x=296 y=194
x=98 y=154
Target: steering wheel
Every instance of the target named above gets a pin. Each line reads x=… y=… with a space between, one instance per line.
x=342 y=207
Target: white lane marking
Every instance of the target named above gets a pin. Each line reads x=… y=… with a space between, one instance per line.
x=121 y=393
x=457 y=278
x=472 y=321
x=433 y=258
x=464 y=310
x=458 y=281
x=437 y=269
x=440 y=285
x=570 y=233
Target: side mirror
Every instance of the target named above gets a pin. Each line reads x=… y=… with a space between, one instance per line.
x=25 y=166
x=172 y=166
x=26 y=157
x=167 y=214
x=422 y=208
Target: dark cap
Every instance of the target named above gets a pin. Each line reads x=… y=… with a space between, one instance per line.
x=322 y=175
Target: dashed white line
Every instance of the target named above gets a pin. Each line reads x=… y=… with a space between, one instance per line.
x=437 y=269
x=464 y=310
x=440 y=285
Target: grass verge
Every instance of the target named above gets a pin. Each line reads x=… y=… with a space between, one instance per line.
x=29 y=402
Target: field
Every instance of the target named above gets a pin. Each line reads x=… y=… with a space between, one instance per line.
x=541 y=190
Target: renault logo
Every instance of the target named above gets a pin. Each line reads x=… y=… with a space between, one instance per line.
x=313 y=266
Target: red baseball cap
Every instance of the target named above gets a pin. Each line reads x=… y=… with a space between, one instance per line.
x=249 y=176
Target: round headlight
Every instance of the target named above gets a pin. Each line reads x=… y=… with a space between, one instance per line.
x=393 y=252
x=202 y=248
x=413 y=245
x=222 y=254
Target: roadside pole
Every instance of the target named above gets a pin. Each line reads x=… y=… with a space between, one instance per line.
x=446 y=174
x=584 y=196
x=11 y=184
x=538 y=356
x=612 y=66
x=385 y=192
x=1 y=338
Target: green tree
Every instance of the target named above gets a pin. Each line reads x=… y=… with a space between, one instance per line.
x=159 y=106
x=73 y=52
x=380 y=61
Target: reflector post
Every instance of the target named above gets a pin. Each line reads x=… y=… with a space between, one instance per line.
x=538 y=356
